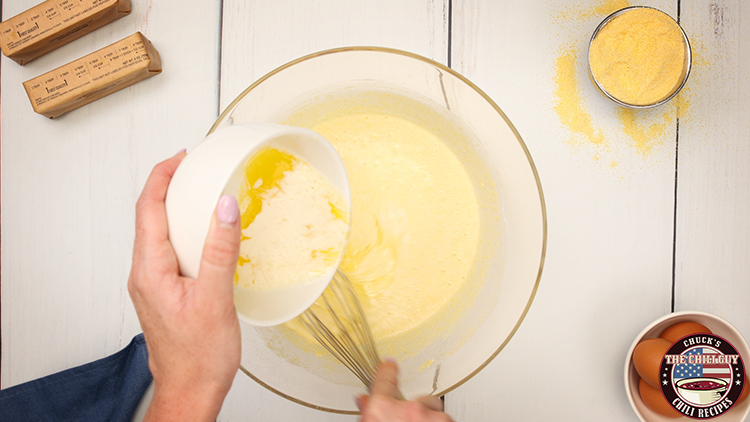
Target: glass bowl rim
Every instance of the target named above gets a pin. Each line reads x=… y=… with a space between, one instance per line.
x=229 y=108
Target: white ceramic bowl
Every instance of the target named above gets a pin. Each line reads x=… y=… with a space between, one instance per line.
x=701 y=396
x=718 y=326
x=214 y=168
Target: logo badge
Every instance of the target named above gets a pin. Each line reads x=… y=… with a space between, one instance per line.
x=702 y=376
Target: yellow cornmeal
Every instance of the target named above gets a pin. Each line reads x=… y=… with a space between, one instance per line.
x=639 y=56
x=573 y=12
x=415 y=219
x=644 y=132
x=293 y=224
x=642 y=129
x=569 y=105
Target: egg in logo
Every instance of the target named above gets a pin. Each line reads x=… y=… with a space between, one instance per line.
x=702 y=376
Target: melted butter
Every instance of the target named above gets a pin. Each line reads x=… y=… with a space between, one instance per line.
x=264 y=171
x=337 y=212
x=415 y=219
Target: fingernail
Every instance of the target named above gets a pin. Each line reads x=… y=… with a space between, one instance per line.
x=227 y=211
x=391 y=360
x=181 y=151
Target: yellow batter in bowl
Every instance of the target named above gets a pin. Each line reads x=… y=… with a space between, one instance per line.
x=415 y=215
x=432 y=125
x=415 y=222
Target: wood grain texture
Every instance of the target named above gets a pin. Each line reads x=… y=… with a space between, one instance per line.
x=258 y=37
x=69 y=187
x=609 y=207
x=713 y=188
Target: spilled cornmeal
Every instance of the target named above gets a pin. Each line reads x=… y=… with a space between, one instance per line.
x=293 y=222
x=642 y=130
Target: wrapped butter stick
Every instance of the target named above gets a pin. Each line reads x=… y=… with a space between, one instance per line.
x=97 y=75
x=54 y=23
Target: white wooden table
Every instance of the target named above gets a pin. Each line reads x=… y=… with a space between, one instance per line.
x=633 y=235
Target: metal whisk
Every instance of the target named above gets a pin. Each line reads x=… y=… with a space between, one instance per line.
x=348 y=337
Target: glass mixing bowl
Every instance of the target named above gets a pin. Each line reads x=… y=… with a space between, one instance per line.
x=480 y=319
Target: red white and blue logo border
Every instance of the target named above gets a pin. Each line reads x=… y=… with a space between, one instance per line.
x=734 y=374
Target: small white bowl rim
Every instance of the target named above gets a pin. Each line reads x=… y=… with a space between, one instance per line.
x=270 y=132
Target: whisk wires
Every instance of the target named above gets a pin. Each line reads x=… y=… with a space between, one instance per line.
x=347 y=336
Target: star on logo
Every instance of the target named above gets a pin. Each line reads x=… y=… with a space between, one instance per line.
x=665 y=382
x=737 y=382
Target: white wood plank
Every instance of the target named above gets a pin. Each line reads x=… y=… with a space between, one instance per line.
x=260 y=36
x=610 y=215
x=69 y=187
x=712 y=272
x=247 y=401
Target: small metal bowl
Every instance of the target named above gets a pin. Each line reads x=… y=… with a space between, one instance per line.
x=686 y=67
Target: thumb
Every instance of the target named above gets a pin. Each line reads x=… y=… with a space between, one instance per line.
x=432 y=403
x=386 y=381
x=221 y=249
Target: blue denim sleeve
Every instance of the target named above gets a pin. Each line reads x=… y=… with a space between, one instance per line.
x=108 y=389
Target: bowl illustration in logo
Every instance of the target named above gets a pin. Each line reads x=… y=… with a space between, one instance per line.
x=701 y=391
